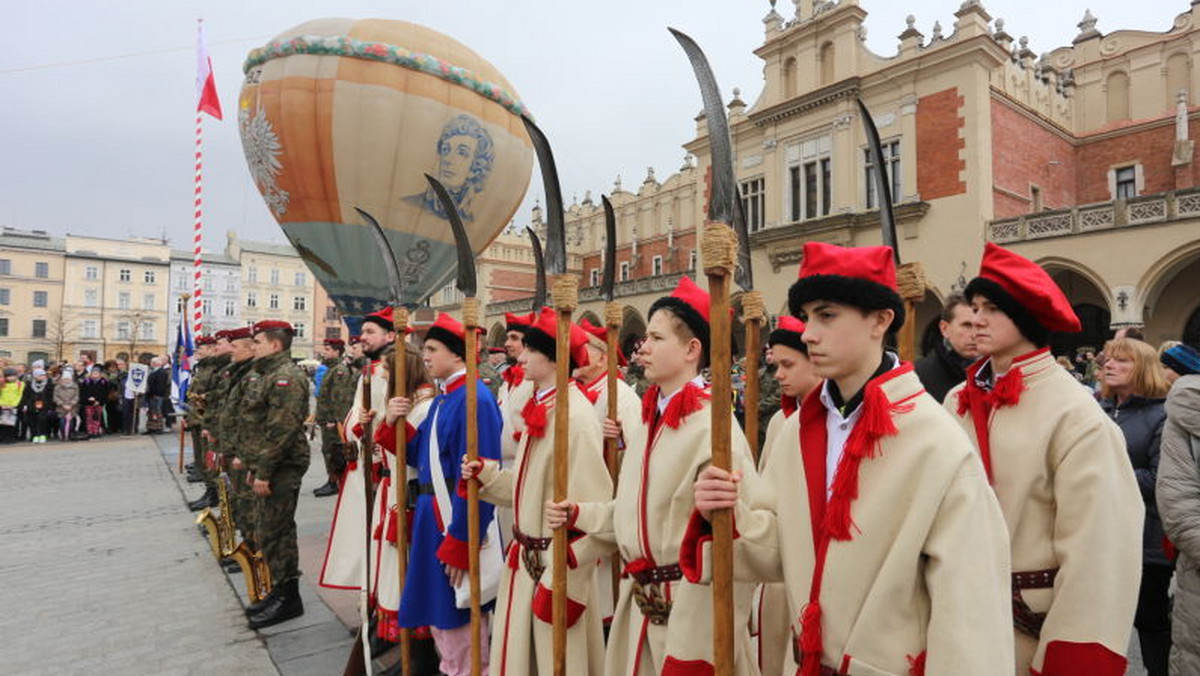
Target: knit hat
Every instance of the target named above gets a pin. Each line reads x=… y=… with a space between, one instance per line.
x=789 y=332
x=38 y=372
x=541 y=336
x=599 y=337
x=1025 y=292
x=519 y=323
x=863 y=276
x=450 y=332
x=10 y=371
x=691 y=305
x=382 y=318
x=1182 y=359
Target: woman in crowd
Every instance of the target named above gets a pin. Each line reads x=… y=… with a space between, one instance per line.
x=38 y=405
x=1132 y=391
x=93 y=394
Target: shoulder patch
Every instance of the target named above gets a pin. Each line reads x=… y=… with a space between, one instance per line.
x=282 y=382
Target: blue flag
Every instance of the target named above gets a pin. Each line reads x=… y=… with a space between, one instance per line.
x=181 y=365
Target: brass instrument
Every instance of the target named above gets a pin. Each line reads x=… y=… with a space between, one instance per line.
x=255 y=571
x=221 y=537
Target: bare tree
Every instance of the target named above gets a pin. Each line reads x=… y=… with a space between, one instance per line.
x=130 y=340
x=60 y=330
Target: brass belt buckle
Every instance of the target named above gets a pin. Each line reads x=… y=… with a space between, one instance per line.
x=532 y=559
x=650 y=601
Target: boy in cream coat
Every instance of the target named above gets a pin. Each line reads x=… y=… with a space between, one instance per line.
x=883 y=529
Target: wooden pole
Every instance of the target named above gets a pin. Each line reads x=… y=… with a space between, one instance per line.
x=910 y=281
x=612 y=323
x=360 y=655
x=752 y=319
x=566 y=298
x=719 y=249
x=399 y=386
x=470 y=324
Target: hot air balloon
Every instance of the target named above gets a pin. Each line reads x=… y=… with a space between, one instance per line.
x=340 y=113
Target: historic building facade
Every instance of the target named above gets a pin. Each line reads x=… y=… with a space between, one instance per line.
x=276 y=285
x=220 y=291
x=32 y=325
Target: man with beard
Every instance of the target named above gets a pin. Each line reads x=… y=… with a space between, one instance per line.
x=947 y=365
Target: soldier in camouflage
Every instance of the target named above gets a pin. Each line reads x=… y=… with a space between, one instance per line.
x=201 y=408
x=275 y=407
x=233 y=429
x=334 y=399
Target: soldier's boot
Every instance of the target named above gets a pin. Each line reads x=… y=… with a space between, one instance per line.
x=194 y=475
x=209 y=499
x=329 y=488
x=259 y=605
x=285 y=606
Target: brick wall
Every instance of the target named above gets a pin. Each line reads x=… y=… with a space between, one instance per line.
x=684 y=243
x=939 y=146
x=1151 y=148
x=511 y=284
x=1022 y=154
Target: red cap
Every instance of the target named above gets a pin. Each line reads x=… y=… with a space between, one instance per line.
x=450 y=332
x=789 y=332
x=205 y=340
x=382 y=317
x=698 y=299
x=272 y=325
x=790 y=324
x=515 y=322
x=601 y=333
x=239 y=333
x=1030 y=286
x=334 y=342
x=542 y=337
x=223 y=334
x=863 y=276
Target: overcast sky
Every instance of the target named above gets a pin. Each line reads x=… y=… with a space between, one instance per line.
x=96 y=125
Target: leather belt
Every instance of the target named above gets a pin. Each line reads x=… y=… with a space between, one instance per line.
x=531 y=552
x=1025 y=620
x=657 y=574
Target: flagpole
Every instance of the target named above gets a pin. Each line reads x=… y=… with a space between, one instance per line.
x=206 y=102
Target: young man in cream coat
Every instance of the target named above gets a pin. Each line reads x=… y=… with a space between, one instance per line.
x=1059 y=467
x=890 y=543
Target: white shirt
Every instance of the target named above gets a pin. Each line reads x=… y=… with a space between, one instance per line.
x=698 y=381
x=445 y=384
x=838 y=429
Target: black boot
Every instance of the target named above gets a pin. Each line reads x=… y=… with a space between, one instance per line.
x=258 y=606
x=284 y=606
x=379 y=646
x=330 y=488
x=209 y=499
x=194 y=476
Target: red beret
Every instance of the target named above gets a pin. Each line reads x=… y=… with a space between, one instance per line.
x=223 y=334
x=205 y=340
x=1030 y=286
x=335 y=342
x=239 y=333
x=272 y=325
x=355 y=340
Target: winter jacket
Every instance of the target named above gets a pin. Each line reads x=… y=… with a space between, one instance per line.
x=158 y=383
x=34 y=401
x=66 y=396
x=941 y=370
x=1141 y=420
x=96 y=389
x=1179 y=506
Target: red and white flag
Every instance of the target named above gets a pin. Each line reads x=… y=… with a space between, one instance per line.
x=206 y=84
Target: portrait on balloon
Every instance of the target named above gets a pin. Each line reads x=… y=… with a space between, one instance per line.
x=465 y=154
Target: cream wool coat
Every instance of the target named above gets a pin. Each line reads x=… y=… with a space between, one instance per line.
x=925 y=575
x=344 y=554
x=1071 y=502
x=521 y=642
x=771 y=624
x=633 y=432
x=511 y=401
x=648 y=519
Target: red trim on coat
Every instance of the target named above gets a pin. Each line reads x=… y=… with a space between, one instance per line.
x=332 y=530
x=453 y=552
x=543 y=607
x=676 y=667
x=691 y=551
x=916 y=665
x=512 y=581
x=1066 y=658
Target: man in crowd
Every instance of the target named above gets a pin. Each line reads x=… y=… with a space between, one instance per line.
x=333 y=401
x=946 y=366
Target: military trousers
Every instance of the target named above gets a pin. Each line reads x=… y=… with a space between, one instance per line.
x=331 y=449
x=245 y=507
x=276 y=529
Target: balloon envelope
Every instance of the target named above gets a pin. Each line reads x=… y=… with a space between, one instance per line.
x=338 y=113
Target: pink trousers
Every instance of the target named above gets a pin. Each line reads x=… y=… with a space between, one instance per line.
x=454 y=646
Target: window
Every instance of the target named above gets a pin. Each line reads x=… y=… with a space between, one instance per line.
x=810 y=179
x=91 y=298
x=91 y=273
x=274 y=276
x=331 y=314
x=891 y=160
x=594 y=277
x=123 y=300
x=41 y=299
x=299 y=328
x=299 y=302
x=206 y=307
x=300 y=280
x=624 y=274
x=273 y=303
x=1126 y=183
x=179 y=305
x=753 y=201
x=208 y=283
x=181 y=282
x=333 y=332
x=41 y=270
x=5 y=298
x=252 y=274
x=251 y=299
x=656 y=266
x=123 y=331
x=147 y=330
x=5 y=266
x=90 y=329
x=230 y=284
x=692 y=259
x=148 y=277
x=148 y=301
x=125 y=275
x=3 y=327
x=230 y=308
x=39 y=328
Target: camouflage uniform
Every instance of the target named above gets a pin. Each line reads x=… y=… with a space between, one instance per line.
x=768 y=400
x=635 y=377
x=275 y=407
x=231 y=443
x=333 y=401
x=490 y=377
x=203 y=377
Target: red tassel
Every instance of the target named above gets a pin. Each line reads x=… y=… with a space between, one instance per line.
x=649 y=404
x=1008 y=389
x=378 y=531
x=964 y=398
x=685 y=402
x=811 y=642
x=513 y=375
x=392 y=529
x=916 y=665
x=534 y=415
x=873 y=424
